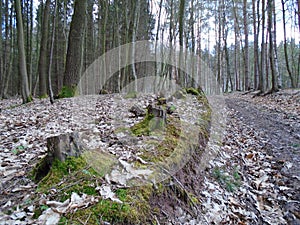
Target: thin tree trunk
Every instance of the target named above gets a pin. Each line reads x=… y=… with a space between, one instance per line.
x=246 y=69
x=285 y=46
x=43 y=62
x=22 y=55
x=1 y=50
x=134 y=31
x=181 y=32
x=277 y=72
x=255 y=33
x=51 y=53
x=262 y=58
x=271 y=46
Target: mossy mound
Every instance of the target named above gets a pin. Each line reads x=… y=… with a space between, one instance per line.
x=67 y=92
x=139 y=203
x=131 y=94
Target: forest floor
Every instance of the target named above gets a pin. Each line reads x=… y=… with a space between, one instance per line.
x=256 y=176
x=253 y=179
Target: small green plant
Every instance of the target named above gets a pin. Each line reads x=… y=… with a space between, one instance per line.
x=231 y=182
x=17 y=150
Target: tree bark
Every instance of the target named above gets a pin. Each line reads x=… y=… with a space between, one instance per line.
x=22 y=56
x=271 y=46
x=134 y=31
x=43 y=62
x=73 y=68
x=261 y=85
x=181 y=31
x=51 y=54
x=246 y=32
x=255 y=33
x=285 y=46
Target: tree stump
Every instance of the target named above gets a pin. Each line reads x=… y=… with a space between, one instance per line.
x=137 y=111
x=159 y=114
x=59 y=147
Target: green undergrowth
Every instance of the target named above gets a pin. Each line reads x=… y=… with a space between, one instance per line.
x=134 y=209
x=165 y=147
x=231 y=180
x=67 y=92
x=76 y=175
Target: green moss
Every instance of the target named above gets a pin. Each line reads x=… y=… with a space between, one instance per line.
x=192 y=91
x=166 y=147
x=100 y=161
x=143 y=127
x=67 y=92
x=135 y=209
x=43 y=96
x=62 y=170
x=132 y=94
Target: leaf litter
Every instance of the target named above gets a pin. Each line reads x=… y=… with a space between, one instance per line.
x=253 y=179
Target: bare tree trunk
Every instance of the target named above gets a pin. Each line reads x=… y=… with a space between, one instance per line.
x=285 y=46
x=181 y=32
x=51 y=54
x=22 y=56
x=271 y=46
x=262 y=58
x=255 y=33
x=74 y=55
x=42 y=67
x=1 y=50
x=134 y=31
x=246 y=69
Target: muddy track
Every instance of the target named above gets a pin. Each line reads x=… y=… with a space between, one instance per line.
x=281 y=136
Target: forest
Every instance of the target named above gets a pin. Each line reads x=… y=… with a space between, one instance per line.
x=150 y=112
x=248 y=45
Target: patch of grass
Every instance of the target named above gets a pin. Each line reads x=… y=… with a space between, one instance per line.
x=230 y=181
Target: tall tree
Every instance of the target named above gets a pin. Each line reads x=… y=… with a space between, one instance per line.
x=285 y=45
x=256 y=50
x=51 y=54
x=261 y=85
x=271 y=46
x=181 y=31
x=22 y=56
x=75 y=48
x=134 y=33
x=246 y=49
x=1 y=56
x=43 y=62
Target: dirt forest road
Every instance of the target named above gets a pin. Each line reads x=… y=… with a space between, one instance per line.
x=275 y=120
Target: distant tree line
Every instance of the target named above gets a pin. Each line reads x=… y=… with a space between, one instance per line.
x=45 y=48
